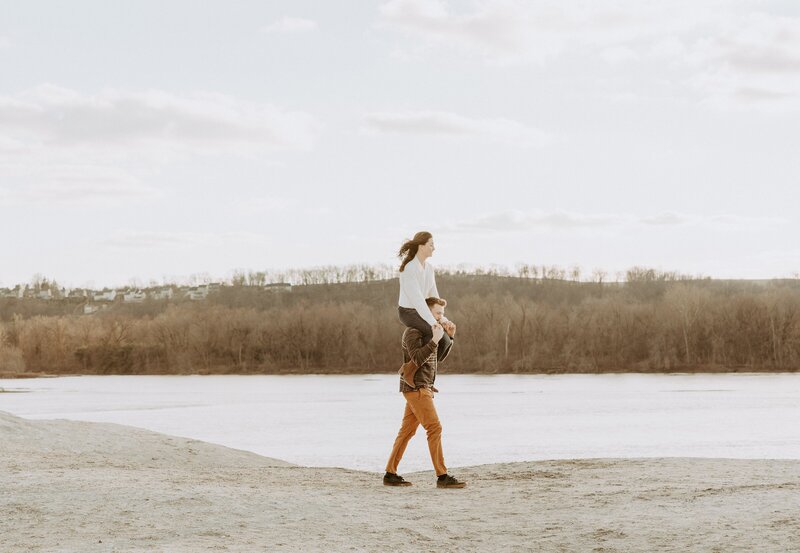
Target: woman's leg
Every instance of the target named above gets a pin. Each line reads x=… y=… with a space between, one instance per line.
x=444 y=345
x=410 y=317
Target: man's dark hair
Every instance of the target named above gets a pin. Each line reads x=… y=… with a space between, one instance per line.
x=436 y=301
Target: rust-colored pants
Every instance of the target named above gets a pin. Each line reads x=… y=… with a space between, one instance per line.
x=419 y=410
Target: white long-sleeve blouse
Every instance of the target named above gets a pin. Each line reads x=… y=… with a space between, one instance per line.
x=416 y=284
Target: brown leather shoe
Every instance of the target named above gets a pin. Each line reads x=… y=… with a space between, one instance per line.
x=390 y=479
x=447 y=481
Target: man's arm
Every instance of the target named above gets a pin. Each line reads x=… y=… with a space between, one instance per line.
x=419 y=352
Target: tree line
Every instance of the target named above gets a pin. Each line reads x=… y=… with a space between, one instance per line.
x=547 y=322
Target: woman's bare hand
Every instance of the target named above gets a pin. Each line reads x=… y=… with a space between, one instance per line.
x=438 y=332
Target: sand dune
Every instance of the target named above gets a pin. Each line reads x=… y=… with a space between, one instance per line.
x=76 y=486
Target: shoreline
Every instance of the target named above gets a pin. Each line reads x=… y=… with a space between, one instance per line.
x=83 y=486
x=727 y=370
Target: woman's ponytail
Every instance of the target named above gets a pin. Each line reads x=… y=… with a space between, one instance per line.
x=408 y=250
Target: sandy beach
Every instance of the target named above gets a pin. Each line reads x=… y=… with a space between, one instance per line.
x=88 y=487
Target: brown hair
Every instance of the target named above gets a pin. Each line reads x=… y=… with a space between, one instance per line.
x=410 y=247
x=436 y=301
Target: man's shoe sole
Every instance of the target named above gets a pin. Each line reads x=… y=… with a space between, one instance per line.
x=459 y=485
x=397 y=484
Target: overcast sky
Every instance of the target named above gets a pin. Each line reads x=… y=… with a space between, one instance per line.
x=151 y=140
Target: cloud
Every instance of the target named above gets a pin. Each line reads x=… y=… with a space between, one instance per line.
x=57 y=117
x=619 y=54
x=279 y=205
x=438 y=123
x=751 y=60
x=165 y=240
x=515 y=221
x=76 y=186
x=264 y=204
x=516 y=31
x=492 y=29
x=739 y=221
x=782 y=258
x=665 y=219
x=725 y=54
x=43 y=131
x=291 y=25
x=521 y=221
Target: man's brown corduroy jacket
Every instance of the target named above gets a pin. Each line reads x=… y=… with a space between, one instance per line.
x=424 y=355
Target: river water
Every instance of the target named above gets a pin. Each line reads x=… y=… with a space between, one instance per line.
x=351 y=421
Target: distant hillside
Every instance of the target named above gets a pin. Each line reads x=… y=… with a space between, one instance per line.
x=654 y=321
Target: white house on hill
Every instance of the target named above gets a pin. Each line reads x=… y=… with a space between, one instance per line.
x=107 y=295
x=197 y=293
x=162 y=294
x=135 y=296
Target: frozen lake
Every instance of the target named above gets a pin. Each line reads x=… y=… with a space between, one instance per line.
x=351 y=421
